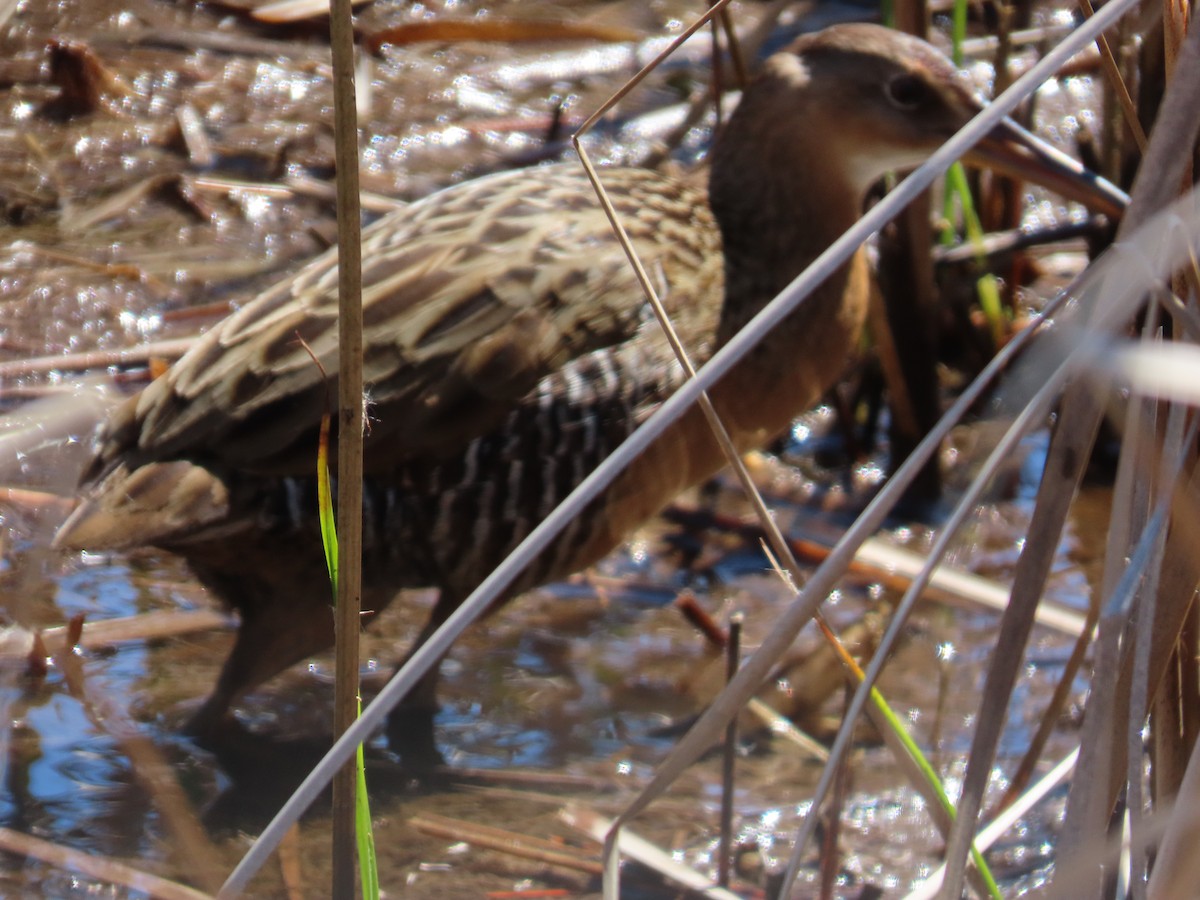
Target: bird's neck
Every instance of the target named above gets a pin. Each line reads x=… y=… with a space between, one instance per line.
x=773 y=227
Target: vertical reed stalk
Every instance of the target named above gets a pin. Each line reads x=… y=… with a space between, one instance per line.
x=350 y=435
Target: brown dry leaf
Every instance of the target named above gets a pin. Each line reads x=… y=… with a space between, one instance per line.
x=86 y=85
x=498 y=30
x=289 y=864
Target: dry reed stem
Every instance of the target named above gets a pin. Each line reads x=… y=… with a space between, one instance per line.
x=99 y=867
x=195 y=140
x=1000 y=825
x=1160 y=467
x=195 y=854
x=1092 y=798
x=95 y=359
x=643 y=851
x=1106 y=724
x=1177 y=864
x=733 y=650
x=18 y=643
x=36 y=501
x=987 y=45
x=1065 y=462
x=1108 y=852
x=505 y=841
x=1117 y=83
x=284 y=11
x=347 y=615
x=190 y=39
x=112 y=270
x=302 y=185
x=484 y=779
x=1052 y=713
x=290 y=868
x=829 y=864
x=900 y=402
x=879 y=562
x=113 y=206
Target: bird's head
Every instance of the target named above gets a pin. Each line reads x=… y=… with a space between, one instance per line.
x=853 y=102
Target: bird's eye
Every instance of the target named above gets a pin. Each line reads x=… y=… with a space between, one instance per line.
x=907 y=91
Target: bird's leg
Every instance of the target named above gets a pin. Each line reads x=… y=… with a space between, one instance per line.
x=212 y=718
x=277 y=630
x=410 y=731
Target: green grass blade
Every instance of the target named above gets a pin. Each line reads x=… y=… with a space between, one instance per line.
x=325 y=506
x=989 y=293
x=958 y=191
x=367 y=865
x=931 y=778
x=365 y=836
x=896 y=726
x=958 y=32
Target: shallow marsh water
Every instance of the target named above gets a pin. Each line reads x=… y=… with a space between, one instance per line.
x=575 y=681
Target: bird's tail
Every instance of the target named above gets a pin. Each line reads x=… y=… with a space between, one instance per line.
x=161 y=503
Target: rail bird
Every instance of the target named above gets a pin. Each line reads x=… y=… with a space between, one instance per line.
x=509 y=349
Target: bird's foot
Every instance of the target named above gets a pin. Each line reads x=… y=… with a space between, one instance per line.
x=213 y=725
x=410 y=736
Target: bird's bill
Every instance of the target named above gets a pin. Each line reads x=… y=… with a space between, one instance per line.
x=1013 y=151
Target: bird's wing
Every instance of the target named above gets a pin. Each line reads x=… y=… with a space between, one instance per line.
x=471 y=297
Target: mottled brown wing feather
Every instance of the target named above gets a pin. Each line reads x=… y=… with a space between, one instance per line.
x=471 y=297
